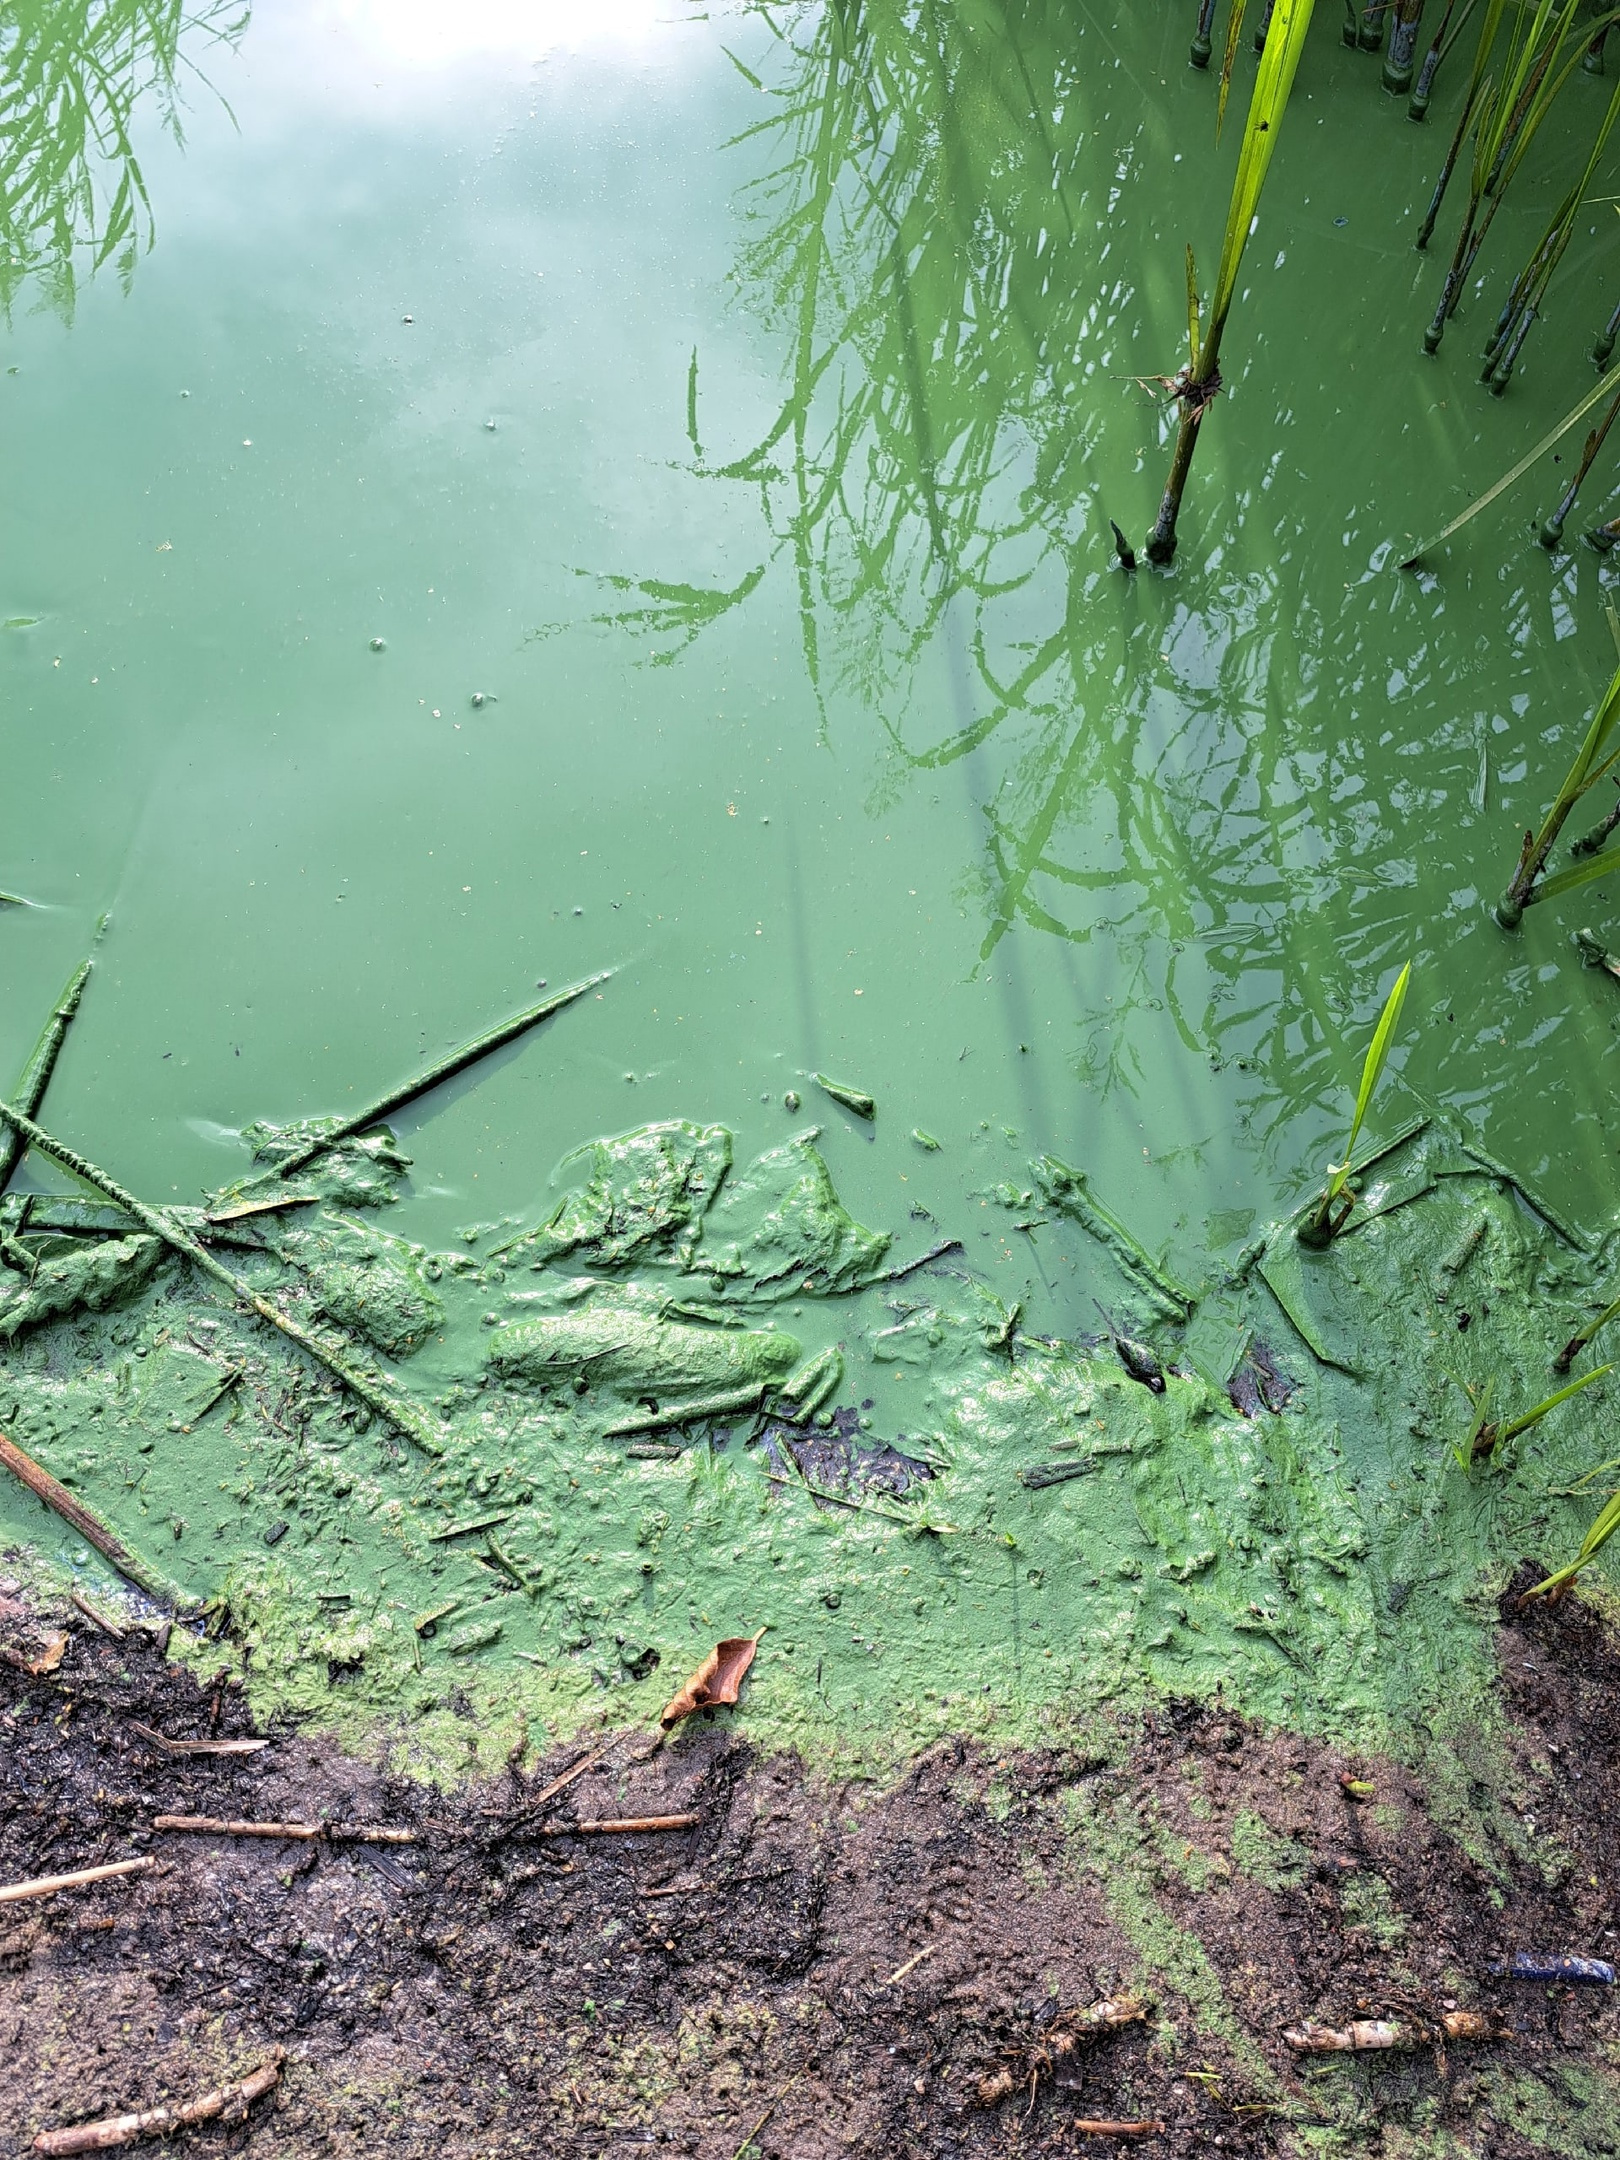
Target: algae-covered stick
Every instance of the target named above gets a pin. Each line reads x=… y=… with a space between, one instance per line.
x=855 y=1099
x=56 y=1497
x=1069 y=1190
x=445 y=1069
x=727 y=1404
x=35 y=1077
x=404 y=1416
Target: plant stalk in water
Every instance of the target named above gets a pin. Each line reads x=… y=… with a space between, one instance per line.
x=1322 y=1227
x=1552 y=532
x=1199 y=382
x=1487 y=1434
x=445 y=1069
x=35 y=1077
x=1592 y=762
x=1604 y=1525
x=1401 y=58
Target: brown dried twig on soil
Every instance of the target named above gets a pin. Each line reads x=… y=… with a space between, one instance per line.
x=43 y=1886
x=196 y=1747
x=124 y=2129
x=1068 y=2031
x=343 y=1833
x=620 y=1826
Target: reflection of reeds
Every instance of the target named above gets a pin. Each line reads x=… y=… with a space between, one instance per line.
x=70 y=180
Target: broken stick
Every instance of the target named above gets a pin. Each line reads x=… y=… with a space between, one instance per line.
x=445 y=1069
x=403 y=1415
x=44 y=1487
x=124 y=2129
x=43 y=1886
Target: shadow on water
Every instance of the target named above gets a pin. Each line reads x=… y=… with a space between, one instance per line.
x=73 y=74
x=1256 y=780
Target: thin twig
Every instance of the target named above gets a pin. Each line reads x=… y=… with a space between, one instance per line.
x=124 y=2129
x=98 y=1619
x=765 y=2118
x=342 y=1833
x=42 y=1886
x=196 y=1747
x=44 y=1487
x=627 y=1824
x=910 y=1965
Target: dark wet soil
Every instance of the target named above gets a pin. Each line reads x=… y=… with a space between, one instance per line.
x=846 y=1962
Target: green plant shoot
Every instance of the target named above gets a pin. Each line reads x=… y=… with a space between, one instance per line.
x=1486 y=1434
x=1604 y=1525
x=1324 y=1226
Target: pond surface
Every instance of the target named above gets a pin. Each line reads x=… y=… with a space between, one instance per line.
x=528 y=495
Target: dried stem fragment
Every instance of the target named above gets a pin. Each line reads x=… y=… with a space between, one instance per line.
x=43 y=1886
x=124 y=2129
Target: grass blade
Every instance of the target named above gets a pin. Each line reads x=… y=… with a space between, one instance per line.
x=1234 y=30
x=1604 y=1525
x=1609 y=383
x=1372 y=1068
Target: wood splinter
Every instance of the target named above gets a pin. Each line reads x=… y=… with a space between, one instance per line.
x=42 y=1886
x=340 y=1833
x=124 y=2129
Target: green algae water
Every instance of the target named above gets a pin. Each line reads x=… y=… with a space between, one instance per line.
x=523 y=498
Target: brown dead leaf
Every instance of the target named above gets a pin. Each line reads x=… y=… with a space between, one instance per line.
x=51 y=1656
x=716 y=1680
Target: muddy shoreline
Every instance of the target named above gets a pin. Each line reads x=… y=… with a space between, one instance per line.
x=486 y=1987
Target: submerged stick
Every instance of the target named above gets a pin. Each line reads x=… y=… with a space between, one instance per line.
x=78 y=1517
x=899 y=1274
x=445 y=1069
x=35 y=1076
x=693 y=1413
x=1069 y=1190
x=404 y=1416
x=43 y=1886
x=124 y=2129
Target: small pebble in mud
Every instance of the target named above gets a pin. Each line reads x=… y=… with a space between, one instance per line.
x=379 y=644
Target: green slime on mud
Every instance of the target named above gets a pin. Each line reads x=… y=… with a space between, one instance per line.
x=979 y=1529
